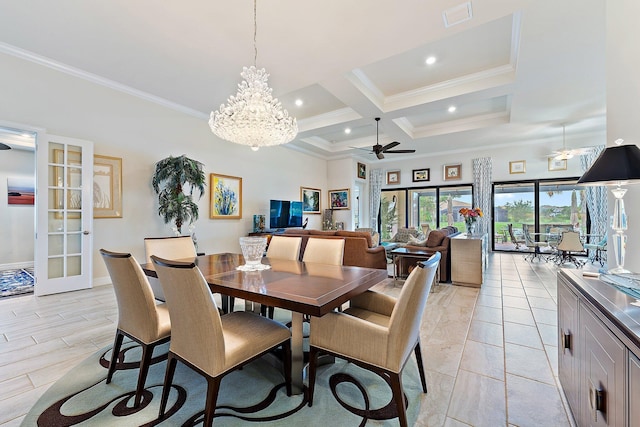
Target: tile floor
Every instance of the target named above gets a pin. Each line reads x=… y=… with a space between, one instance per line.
x=490 y=353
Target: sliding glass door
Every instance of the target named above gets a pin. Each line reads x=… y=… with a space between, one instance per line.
x=451 y=200
x=514 y=204
x=393 y=212
x=423 y=210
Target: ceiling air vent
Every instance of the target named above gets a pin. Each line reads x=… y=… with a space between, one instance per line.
x=457 y=14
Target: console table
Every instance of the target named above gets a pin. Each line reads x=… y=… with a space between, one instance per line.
x=468 y=259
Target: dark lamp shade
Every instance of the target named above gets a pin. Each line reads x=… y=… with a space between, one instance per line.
x=4 y=146
x=615 y=165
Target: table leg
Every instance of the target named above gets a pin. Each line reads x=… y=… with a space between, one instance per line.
x=297 y=354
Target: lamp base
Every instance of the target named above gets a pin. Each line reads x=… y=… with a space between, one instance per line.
x=619 y=270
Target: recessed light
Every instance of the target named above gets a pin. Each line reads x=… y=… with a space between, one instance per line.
x=430 y=60
x=347 y=131
x=452 y=109
x=299 y=102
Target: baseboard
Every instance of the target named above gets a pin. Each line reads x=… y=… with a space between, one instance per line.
x=16 y=265
x=101 y=281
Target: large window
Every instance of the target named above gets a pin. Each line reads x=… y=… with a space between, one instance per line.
x=451 y=200
x=423 y=208
x=514 y=204
x=393 y=212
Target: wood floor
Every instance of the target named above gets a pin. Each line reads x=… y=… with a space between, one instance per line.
x=490 y=353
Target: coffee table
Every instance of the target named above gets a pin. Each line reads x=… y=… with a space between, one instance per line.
x=405 y=258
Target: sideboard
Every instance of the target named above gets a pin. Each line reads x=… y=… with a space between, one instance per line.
x=468 y=259
x=598 y=350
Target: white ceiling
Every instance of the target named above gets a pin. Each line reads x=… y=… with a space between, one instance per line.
x=516 y=71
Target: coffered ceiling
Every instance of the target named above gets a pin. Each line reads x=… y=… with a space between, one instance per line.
x=516 y=71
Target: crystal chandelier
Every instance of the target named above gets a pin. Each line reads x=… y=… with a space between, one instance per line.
x=253 y=116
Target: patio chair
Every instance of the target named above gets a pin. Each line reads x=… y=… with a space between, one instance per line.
x=516 y=241
x=597 y=251
x=532 y=244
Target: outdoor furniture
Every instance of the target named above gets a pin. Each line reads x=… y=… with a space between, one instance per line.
x=569 y=245
x=533 y=244
x=597 y=251
x=516 y=241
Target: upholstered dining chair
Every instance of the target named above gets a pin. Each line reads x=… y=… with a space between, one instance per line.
x=569 y=245
x=531 y=243
x=377 y=332
x=210 y=344
x=179 y=247
x=324 y=251
x=175 y=247
x=139 y=317
x=281 y=248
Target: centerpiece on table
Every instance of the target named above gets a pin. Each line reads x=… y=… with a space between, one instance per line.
x=470 y=218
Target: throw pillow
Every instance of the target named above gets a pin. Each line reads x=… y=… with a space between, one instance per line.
x=436 y=237
x=413 y=241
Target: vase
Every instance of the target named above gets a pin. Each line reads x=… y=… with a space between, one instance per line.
x=471 y=227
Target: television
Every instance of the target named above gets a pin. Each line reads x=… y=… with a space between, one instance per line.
x=284 y=214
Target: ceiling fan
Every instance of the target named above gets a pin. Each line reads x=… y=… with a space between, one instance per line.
x=379 y=150
x=566 y=154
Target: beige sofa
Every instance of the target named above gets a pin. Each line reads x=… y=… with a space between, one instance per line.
x=359 y=248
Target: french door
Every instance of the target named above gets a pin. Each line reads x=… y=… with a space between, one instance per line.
x=64 y=214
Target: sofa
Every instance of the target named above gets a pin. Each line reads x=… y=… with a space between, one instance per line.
x=359 y=249
x=403 y=235
x=438 y=240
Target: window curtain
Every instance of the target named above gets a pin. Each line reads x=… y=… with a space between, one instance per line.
x=375 y=189
x=482 y=168
x=595 y=196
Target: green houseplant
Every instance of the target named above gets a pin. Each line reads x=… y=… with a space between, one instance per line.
x=170 y=178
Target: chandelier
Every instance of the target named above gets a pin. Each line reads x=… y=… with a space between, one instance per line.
x=253 y=116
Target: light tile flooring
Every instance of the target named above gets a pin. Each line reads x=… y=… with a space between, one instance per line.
x=490 y=353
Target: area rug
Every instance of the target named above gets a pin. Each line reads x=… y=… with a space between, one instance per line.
x=345 y=395
x=16 y=282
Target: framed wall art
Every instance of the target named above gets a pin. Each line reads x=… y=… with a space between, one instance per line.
x=452 y=172
x=393 y=177
x=339 y=199
x=421 y=175
x=310 y=198
x=226 y=197
x=557 y=164
x=517 y=166
x=107 y=187
x=362 y=171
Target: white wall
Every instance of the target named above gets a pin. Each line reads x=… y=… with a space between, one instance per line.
x=142 y=133
x=17 y=224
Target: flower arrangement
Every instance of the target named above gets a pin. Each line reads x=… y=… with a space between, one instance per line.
x=470 y=218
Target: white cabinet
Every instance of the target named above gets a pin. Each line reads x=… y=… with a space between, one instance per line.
x=468 y=259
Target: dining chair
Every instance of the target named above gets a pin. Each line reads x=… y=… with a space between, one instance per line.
x=530 y=242
x=569 y=245
x=516 y=241
x=324 y=251
x=597 y=251
x=377 y=332
x=281 y=248
x=210 y=344
x=139 y=317
x=175 y=247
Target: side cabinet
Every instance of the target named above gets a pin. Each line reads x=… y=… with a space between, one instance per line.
x=634 y=391
x=598 y=364
x=602 y=391
x=568 y=366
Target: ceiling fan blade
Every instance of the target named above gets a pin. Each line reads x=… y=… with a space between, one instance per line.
x=400 y=151
x=390 y=145
x=379 y=155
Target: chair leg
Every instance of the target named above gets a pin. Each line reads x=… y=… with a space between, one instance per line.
x=313 y=365
x=145 y=361
x=423 y=379
x=168 y=380
x=286 y=365
x=398 y=396
x=117 y=343
x=213 y=386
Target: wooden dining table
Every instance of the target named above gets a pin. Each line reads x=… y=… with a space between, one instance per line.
x=303 y=288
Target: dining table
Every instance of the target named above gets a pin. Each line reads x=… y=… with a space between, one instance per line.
x=310 y=289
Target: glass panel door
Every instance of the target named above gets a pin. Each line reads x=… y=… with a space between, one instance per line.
x=513 y=204
x=392 y=212
x=65 y=215
x=422 y=209
x=452 y=199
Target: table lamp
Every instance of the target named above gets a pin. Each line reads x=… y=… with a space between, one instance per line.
x=616 y=166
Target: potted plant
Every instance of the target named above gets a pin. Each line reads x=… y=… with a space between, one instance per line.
x=169 y=180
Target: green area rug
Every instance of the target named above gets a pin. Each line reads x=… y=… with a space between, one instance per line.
x=345 y=395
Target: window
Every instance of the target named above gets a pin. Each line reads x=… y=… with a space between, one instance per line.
x=422 y=208
x=451 y=200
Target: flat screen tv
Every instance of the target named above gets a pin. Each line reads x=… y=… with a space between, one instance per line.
x=284 y=214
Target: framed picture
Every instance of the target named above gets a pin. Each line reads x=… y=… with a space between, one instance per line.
x=393 y=177
x=362 y=171
x=310 y=200
x=107 y=187
x=420 y=175
x=557 y=164
x=452 y=172
x=72 y=183
x=21 y=190
x=518 y=166
x=339 y=199
x=226 y=197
